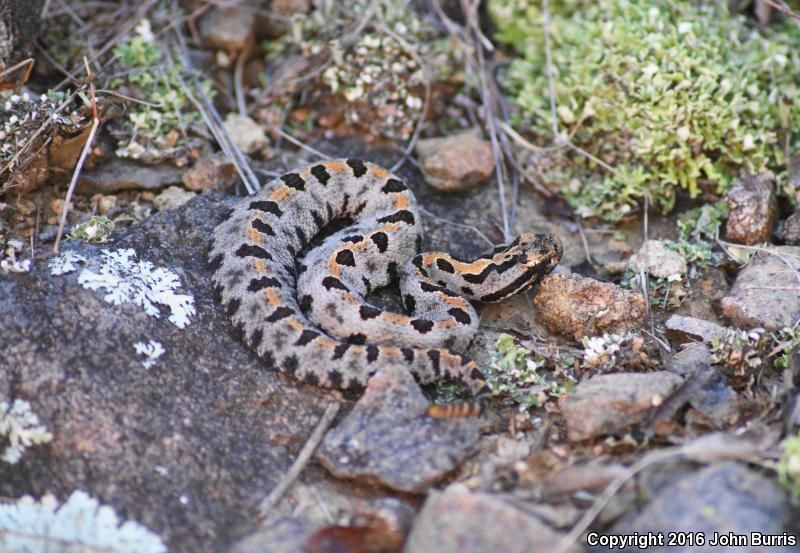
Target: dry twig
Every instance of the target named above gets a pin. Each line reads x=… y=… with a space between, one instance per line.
x=79 y=166
x=214 y=122
x=477 y=231
x=299 y=464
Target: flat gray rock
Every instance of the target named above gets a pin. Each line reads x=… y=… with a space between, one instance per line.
x=718 y=403
x=187 y=446
x=765 y=292
x=693 y=327
x=722 y=498
x=460 y=521
x=389 y=438
x=655 y=259
x=609 y=403
x=691 y=359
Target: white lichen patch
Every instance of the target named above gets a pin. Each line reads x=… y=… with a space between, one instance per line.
x=15 y=265
x=127 y=279
x=21 y=429
x=65 y=263
x=600 y=352
x=80 y=524
x=152 y=350
x=10 y=261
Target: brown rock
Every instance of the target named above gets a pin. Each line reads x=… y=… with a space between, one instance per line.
x=457 y=162
x=105 y=203
x=389 y=438
x=210 y=173
x=577 y=306
x=790 y=233
x=35 y=173
x=459 y=521
x=692 y=327
x=753 y=210
x=655 y=259
x=172 y=197
x=127 y=175
x=248 y=135
x=612 y=402
x=65 y=150
x=228 y=27
x=766 y=292
x=691 y=359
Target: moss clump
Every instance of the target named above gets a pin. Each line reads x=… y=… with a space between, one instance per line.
x=97 y=229
x=518 y=374
x=670 y=94
x=156 y=129
x=373 y=81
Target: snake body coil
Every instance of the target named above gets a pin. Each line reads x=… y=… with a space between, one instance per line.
x=311 y=320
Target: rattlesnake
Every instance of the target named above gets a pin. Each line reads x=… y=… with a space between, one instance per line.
x=311 y=320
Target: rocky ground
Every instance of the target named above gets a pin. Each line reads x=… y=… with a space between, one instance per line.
x=622 y=406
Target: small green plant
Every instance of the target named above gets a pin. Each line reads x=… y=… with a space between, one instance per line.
x=697 y=231
x=377 y=76
x=523 y=376
x=789 y=466
x=669 y=94
x=740 y=350
x=784 y=344
x=664 y=292
x=97 y=229
x=156 y=125
x=513 y=373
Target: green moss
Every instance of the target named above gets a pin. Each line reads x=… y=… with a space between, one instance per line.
x=97 y=229
x=378 y=83
x=697 y=231
x=525 y=377
x=784 y=344
x=670 y=94
x=155 y=126
x=513 y=373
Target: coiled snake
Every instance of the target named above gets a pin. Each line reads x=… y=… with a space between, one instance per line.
x=311 y=320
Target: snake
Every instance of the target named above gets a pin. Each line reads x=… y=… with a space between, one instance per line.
x=303 y=309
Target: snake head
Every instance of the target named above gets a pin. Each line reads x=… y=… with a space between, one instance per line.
x=538 y=250
x=517 y=266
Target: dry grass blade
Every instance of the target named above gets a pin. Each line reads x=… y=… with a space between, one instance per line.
x=477 y=231
x=425 y=102
x=81 y=160
x=28 y=64
x=783 y=8
x=214 y=123
x=299 y=143
x=299 y=464
x=707 y=449
x=124 y=31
